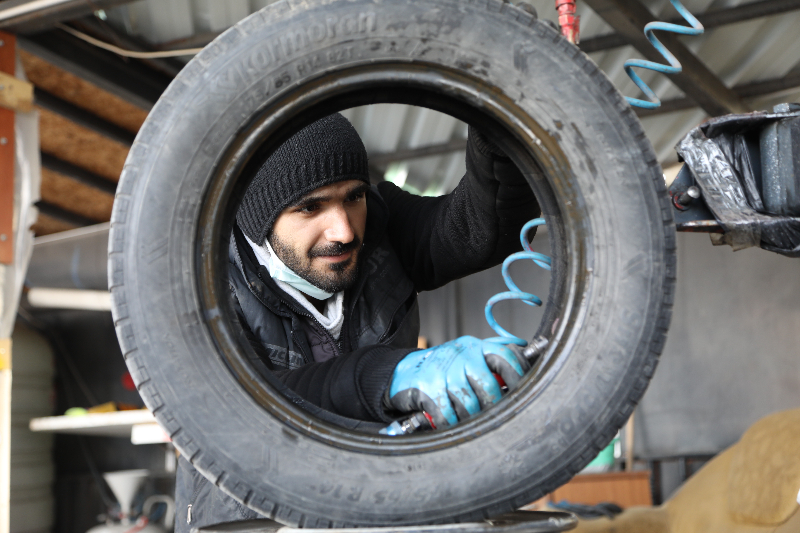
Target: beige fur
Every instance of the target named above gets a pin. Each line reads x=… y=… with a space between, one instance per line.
x=751 y=487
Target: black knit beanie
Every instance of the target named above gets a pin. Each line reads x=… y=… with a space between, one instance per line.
x=327 y=151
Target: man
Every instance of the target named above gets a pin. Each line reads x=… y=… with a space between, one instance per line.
x=325 y=271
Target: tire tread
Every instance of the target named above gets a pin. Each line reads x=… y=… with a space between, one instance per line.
x=118 y=241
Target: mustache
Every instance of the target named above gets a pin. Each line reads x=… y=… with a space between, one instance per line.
x=334 y=248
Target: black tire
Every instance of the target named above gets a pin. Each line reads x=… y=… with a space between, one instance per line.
x=486 y=62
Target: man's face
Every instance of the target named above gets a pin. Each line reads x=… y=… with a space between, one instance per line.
x=319 y=237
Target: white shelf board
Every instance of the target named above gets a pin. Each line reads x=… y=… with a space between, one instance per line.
x=148 y=434
x=114 y=424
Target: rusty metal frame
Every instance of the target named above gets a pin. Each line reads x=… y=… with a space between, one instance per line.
x=7 y=65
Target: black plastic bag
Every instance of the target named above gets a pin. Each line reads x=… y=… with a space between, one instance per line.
x=736 y=164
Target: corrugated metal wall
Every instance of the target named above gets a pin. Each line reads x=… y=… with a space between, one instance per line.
x=759 y=49
x=32 y=470
x=387 y=128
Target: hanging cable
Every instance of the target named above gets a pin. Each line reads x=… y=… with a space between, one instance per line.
x=127 y=53
x=674 y=65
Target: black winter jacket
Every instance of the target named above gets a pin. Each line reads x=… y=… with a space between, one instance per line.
x=411 y=244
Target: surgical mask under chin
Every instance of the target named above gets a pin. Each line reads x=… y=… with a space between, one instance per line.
x=279 y=271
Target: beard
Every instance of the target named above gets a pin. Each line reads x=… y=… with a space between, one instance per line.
x=334 y=277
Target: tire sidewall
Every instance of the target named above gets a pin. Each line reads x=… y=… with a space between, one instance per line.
x=261 y=460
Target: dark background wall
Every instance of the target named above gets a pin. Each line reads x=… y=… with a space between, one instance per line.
x=89 y=371
x=733 y=350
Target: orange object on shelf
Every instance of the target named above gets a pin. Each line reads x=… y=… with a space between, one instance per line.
x=110 y=407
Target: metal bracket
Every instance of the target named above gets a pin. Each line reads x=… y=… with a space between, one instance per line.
x=15 y=94
x=688 y=207
x=516 y=522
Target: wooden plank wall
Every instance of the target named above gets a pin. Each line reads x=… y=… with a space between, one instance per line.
x=79 y=146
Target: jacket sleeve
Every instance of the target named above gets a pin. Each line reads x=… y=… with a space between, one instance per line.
x=351 y=385
x=471 y=229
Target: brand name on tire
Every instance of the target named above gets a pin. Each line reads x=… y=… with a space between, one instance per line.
x=283 y=47
x=292 y=42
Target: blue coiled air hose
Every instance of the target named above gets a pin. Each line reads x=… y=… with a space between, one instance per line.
x=514 y=292
x=674 y=65
x=419 y=421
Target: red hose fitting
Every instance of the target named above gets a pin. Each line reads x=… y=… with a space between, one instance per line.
x=569 y=22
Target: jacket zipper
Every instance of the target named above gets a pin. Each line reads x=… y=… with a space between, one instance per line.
x=385 y=336
x=195 y=493
x=287 y=304
x=336 y=347
x=348 y=319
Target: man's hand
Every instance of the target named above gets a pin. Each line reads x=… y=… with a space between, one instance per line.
x=484 y=145
x=453 y=381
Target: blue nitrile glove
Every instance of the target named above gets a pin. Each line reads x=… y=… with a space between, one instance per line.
x=453 y=381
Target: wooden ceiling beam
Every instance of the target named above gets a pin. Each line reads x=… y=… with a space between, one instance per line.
x=81 y=146
x=63 y=215
x=75 y=197
x=82 y=93
x=46 y=225
x=81 y=117
x=15 y=93
x=129 y=80
x=78 y=174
